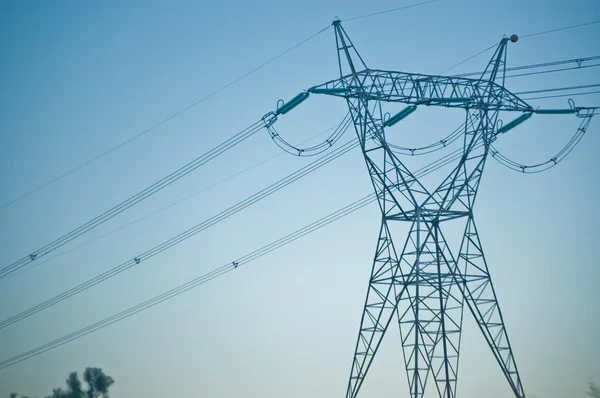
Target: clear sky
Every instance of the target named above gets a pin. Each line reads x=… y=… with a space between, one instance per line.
x=77 y=78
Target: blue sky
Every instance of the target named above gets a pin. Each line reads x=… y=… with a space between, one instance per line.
x=78 y=78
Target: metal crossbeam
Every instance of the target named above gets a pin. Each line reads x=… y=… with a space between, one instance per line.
x=418 y=89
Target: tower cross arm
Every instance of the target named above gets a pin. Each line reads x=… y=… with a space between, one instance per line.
x=419 y=89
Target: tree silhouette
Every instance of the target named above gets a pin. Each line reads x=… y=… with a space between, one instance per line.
x=74 y=386
x=58 y=393
x=97 y=382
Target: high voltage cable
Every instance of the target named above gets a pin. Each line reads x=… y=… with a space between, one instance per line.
x=552 y=71
x=193 y=283
x=547 y=90
x=560 y=29
x=560 y=95
x=417 y=151
x=168 y=118
x=186 y=234
x=537 y=66
x=468 y=59
x=390 y=10
x=138 y=197
x=523 y=36
x=221 y=270
x=175 y=203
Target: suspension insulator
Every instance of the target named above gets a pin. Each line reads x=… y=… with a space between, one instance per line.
x=291 y=104
x=514 y=123
x=555 y=111
x=399 y=116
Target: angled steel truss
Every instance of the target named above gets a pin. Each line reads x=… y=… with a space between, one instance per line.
x=424 y=281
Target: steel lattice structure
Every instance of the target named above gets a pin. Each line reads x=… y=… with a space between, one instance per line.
x=422 y=279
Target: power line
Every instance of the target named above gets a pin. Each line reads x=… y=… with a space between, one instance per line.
x=165 y=120
x=522 y=37
x=390 y=10
x=552 y=71
x=468 y=59
x=547 y=90
x=578 y=61
x=188 y=233
x=138 y=197
x=191 y=284
x=560 y=29
x=560 y=95
x=175 y=203
x=352 y=207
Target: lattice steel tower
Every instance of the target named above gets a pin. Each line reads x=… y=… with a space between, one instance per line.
x=424 y=281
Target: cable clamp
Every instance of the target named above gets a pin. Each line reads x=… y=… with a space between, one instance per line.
x=269 y=119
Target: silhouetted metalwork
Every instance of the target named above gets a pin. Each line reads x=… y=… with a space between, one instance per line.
x=424 y=280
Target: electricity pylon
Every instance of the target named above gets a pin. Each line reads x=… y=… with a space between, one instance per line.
x=426 y=284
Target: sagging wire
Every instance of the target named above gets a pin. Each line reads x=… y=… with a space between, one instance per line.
x=270 y=118
x=584 y=113
x=441 y=144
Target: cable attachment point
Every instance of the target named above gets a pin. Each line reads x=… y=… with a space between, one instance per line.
x=582 y=111
x=269 y=119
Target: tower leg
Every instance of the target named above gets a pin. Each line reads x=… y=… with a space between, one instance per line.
x=481 y=299
x=389 y=278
